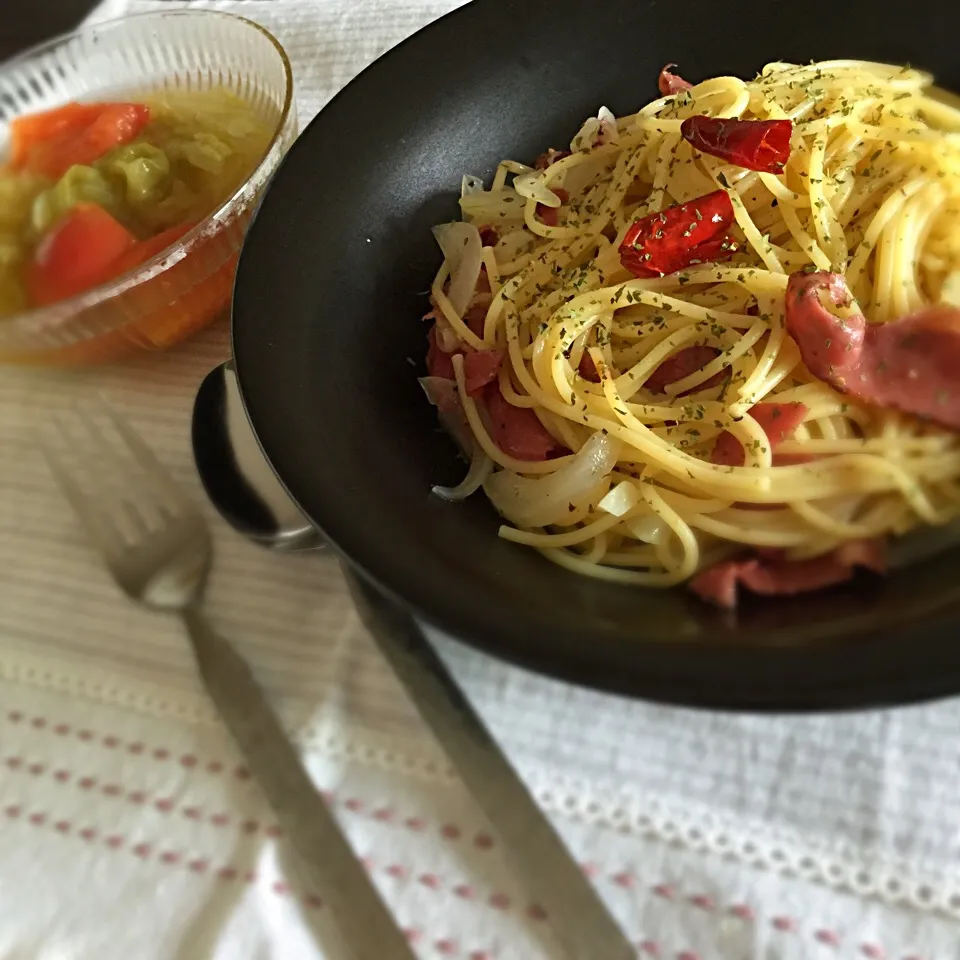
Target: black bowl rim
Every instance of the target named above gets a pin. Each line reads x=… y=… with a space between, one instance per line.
x=787 y=677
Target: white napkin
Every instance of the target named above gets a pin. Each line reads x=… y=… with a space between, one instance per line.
x=126 y=833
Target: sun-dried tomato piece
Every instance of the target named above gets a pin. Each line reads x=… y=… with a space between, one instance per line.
x=670 y=83
x=762 y=145
x=680 y=236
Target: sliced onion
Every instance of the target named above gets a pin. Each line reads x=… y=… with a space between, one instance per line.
x=511 y=245
x=481 y=466
x=463 y=249
x=493 y=207
x=649 y=528
x=531 y=186
x=608 y=126
x=470 y=185
x=621 y=499
x=586 y=135
x=950 y=291
x=530 y=502
x=596 y=131
x=514 y=166
x=442 y=393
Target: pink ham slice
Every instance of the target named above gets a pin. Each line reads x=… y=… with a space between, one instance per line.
x=768 y=574
x=682 y=364
x=910 y=364
x=670 y=83
x=480 y=367
x=517 y=431
x=777 y=420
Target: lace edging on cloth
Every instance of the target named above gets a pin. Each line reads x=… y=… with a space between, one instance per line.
x=841 y=867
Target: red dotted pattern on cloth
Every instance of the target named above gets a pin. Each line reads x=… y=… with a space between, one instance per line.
x=112 y=742
x=383 y=814
x=139 y=797
x=447 y=947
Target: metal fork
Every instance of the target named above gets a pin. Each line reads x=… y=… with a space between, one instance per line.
x=158 y=548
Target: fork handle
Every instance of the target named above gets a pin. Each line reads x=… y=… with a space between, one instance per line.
x=325 y=860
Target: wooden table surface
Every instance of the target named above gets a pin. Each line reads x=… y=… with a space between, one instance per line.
x=26 y=22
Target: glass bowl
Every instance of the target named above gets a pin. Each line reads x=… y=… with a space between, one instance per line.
x=189 y=284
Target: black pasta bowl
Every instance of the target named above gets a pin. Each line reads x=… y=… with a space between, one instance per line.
x=326 y=314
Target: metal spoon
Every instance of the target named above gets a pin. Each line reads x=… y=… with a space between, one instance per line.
x=226 y=450
x=235 y=474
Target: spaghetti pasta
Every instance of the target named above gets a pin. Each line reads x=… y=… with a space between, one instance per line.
x=670 y=380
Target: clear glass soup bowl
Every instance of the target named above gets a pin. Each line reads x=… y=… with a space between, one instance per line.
x=189 y=284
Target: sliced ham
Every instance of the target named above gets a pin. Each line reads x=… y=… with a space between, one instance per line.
x=670 y=83
x=480 y=367
x=439 y=363
x=517 y=431
x=777 y=420
x=474 y=318
x=910 y=364
x=682 y=364
x=769 y=574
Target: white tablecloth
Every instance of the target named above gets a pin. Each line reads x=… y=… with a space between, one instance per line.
x=128 y=829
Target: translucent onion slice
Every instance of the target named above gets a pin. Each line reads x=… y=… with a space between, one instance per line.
x=538 y=502
x=649 y=529
x=950 y=291
x=470 y=185
x=462 y=248
x=621 y=499
x=531 y=186
x=481 y=466
x=513 y=244
x=596 y=131
x=442 y=393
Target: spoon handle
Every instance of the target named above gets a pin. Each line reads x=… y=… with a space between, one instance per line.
x=322 y=855
x=576 y=913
